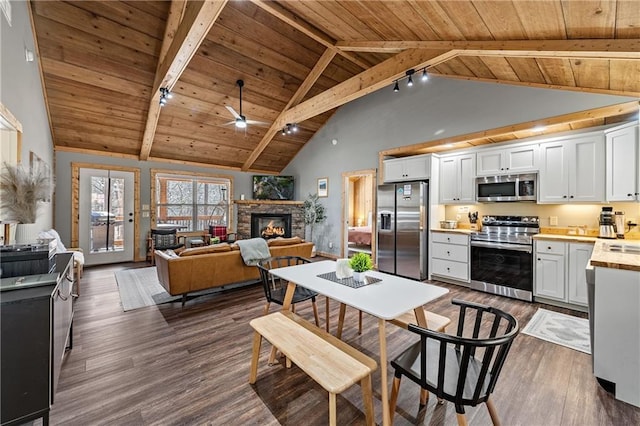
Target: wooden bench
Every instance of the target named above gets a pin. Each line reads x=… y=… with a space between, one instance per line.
x=329 y=361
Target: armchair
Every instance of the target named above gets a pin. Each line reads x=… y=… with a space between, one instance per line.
x=164 y=239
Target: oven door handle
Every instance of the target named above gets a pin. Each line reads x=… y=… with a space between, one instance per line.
x=499 y=246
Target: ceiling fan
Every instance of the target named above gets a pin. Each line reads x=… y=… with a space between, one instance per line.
x=240 y=120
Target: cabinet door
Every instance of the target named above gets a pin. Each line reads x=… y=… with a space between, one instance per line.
x=579 y=255
x=586 y=165
x=521 y=159
x=490 y=163
x=393 y=170
x=448 y=180
x=417 y=167
x=622 y=167
x=467 y=179
x=550 y=276
x=554 y=174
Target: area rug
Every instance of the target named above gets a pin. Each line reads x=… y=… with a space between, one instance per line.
x=561 y=329
x=140 y=287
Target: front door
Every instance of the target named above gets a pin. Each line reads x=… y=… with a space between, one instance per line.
x=106 y=216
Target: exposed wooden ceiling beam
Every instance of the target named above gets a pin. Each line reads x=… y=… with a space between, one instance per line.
x=304 y=88
x=307 y=29
x=194 y=20
x=599 y=48
x=362 y=84
x=542 y=85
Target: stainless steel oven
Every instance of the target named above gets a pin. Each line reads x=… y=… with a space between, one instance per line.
x=502 y=256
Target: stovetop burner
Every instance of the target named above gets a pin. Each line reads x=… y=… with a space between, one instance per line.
x=508 y=229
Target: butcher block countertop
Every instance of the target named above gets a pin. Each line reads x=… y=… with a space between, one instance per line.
x=616 y=254
x=565 y=238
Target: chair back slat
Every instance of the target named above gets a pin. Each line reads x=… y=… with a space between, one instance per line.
x=274 y=287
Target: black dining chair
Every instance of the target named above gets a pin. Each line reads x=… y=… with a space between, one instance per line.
x=461 y=368
x=275 y=288
x=163 y=239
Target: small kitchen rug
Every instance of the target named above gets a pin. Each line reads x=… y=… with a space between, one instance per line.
x=561 y=329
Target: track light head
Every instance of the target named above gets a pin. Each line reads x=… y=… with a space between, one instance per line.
x=425 y=76
x=410 y=81
x=284 y=131
x=396 y=88
x=294 y=127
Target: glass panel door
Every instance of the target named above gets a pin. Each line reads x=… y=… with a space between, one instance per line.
x=106 y=215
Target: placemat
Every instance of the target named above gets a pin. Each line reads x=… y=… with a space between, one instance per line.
x=349 y=282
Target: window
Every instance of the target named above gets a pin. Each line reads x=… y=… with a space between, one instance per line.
x=191 y=202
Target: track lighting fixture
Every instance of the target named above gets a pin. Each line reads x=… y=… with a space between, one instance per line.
x=409 y=73
x=425 y=76
x=289 y=128
x=409 y=76
x=164 y=95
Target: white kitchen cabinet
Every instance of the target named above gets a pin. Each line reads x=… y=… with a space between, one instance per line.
x=573 y=170
x=457 y=179
x=407 y=168
x=560 y=271
x=623 y=164
x=518 y=159
x=450 y=256
x=579 y=255
x=550 y=270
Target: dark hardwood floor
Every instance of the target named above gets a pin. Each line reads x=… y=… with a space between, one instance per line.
x=168 y=365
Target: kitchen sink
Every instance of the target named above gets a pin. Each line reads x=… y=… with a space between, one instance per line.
x=623 y=248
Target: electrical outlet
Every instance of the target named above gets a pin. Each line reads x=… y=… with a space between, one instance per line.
x=457 y=217
x=145 y=214
x=553 y=220
x=330 y=245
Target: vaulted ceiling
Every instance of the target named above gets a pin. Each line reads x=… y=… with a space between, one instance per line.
x=104 y=63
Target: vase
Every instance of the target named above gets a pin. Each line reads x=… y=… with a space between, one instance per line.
x=358 y=276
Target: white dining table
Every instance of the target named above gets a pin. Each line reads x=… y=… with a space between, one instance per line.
x=386 y=299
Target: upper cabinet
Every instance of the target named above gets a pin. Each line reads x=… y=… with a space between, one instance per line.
x=623 y=164
x=573 y=170
x=518 y=159
x=416 y=167
x=457 y=179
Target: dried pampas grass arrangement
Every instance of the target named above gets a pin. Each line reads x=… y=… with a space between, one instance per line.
x=21 y=190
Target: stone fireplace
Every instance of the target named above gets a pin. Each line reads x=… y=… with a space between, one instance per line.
x=270 y=225
x=247 y=209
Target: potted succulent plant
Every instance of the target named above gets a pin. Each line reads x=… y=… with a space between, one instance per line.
x=360 y=263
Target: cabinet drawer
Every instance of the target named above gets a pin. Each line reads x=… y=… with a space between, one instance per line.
x=450 y=238
x=447 y=268
x=453 y=252
x=550 y=247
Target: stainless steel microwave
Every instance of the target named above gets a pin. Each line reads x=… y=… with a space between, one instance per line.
x=507 y=188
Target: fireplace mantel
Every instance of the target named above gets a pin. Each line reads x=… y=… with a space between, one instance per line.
x=277 y=202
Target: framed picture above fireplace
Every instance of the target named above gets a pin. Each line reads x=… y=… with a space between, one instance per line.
x=273 y=187
x=323 y=187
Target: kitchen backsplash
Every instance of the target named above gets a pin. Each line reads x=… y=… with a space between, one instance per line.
x=568 y=215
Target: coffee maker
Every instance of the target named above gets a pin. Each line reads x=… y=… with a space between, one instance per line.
x=607 y=223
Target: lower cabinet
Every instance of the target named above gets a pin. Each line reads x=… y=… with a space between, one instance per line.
x=450 y=256
x=560 y=271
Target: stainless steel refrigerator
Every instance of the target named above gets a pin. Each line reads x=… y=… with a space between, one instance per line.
x=402 y=234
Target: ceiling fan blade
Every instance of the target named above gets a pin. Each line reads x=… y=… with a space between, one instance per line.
x=232 y=111
x=259 y=123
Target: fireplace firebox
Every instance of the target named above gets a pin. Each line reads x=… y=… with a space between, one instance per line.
x=270 y=225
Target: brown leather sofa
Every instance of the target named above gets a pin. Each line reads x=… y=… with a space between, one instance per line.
x=215 y=266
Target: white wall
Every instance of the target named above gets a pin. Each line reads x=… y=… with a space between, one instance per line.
x=437 y=109
x=21 y=92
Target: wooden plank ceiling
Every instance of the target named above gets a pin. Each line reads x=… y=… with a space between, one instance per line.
x=104 y=62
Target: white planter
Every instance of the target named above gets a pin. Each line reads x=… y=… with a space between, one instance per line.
x=358 y=276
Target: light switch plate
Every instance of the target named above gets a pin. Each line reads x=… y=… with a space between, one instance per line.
x=553 y=220
x=145 y=207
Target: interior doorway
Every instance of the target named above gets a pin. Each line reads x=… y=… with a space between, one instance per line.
x=358 y=213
